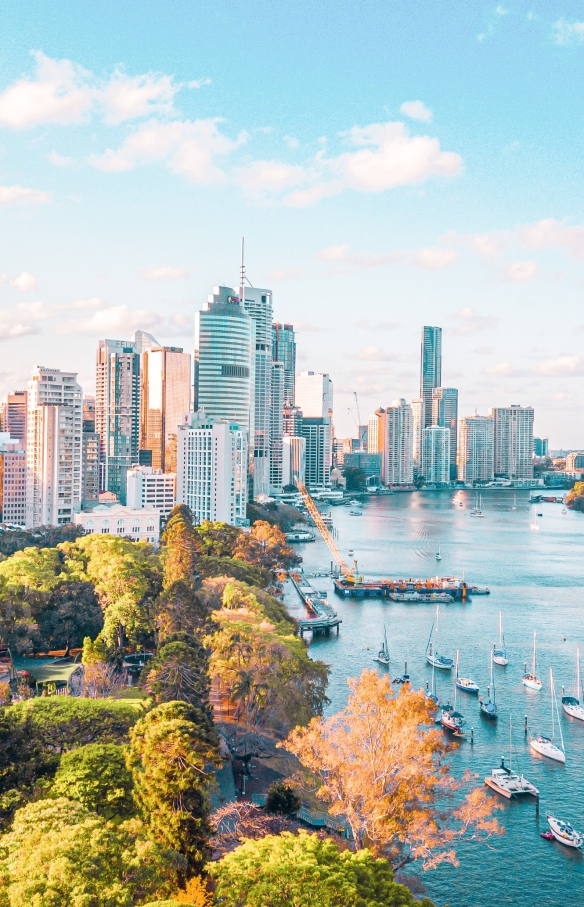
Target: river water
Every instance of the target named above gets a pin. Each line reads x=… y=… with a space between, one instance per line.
x=536 y=579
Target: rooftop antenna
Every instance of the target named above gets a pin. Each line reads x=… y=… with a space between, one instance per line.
x=242 y=274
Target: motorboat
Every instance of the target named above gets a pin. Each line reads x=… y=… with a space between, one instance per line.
x=505 y=781
x=478 y=590
x=405 y=677
x=565 y=833
x=356 y=512
x=546 y=746
x=300 y=535
x=499 y=652
x=571 y=704
x=383 y=655
x=468 y=685
x=488 y=703
x=530 y=679
x=438 y=554
x=351 y=552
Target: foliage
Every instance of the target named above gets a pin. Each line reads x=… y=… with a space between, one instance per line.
x=69 y=613
x=93 y=651
x=170 y=748
x=195 y=894
x=355 y=477
x=237 y=569
x=100 y=681
x=180 y=608
x=217 y=539
x=34 y=568
x=282 y=800
x=265 y=546
x=180 y=672
x=575 y=498
x=283 y=515
x=59 y=854
x=18 y=627
x=380 y=766
x=181 y=546
x=240 y=819
x=96 y=776
x=60 y=723
x=12 y=540
x=23 y=762
x=300 y=870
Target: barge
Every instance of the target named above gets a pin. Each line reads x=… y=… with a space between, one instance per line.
x=348 y=586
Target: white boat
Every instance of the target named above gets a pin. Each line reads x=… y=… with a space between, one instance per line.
x=488 y=703
x=546 y=746
x=465 y=683
x=500 y=654
x=530 y=679
x=514 y=502
x=565 y=833
x=438 y=555
x=478 y=507
x=356 y=512
x=507 y=782
x=571 y=704
x=383 y=655
x=432 y=656
x=534 y=525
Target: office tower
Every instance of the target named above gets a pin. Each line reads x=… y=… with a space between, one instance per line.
x=317 y=433
x=430 y=369
x=377 y=437
x=291 y=420
x=284 y=351
x=117 y=412
x=277 y=426
x=165 y=397
x=370 y=464
x=89 y=455
x=151 y=487
x=574 y=460
x=436 y=455
x=475 y=449
x=293 y=460
x=513 y=442
x=363 y=435
x=13 y=416
x=314 y=395
x=258 y=305
x=541 y=447
x=341 y=447
x=445 y=414
x=53 y=449
x=417 y=413
x=12 y=480
x=212 y=466
x=398 y=461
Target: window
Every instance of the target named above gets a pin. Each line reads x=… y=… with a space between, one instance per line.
x=105 y=531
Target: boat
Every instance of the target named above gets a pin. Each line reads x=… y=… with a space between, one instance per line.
x=488 y=703
x=534 y=524
x=442 y=597
x=356 y=512
x=565 y=833
x=432 y=656
x=546 y=746
x=300 y=535
x=571 y=704
x=530 y=679
x=438 y=555
x=500 y=654
x=478 y=590
x=478 y=507
x=547 y=835
x=465 y=683
x=505 y=781
x=383 y=655
x=514 y=502
x=450 y=719
x=351 y=552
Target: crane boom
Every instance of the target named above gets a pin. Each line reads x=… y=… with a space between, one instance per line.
x=323 y=529
x=359 y=418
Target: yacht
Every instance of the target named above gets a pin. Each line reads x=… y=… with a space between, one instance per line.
x=530 y=679
x=452 y=720
x=505 y=781
x=465 y=683
x=488 y=703
x=478 y=507
x=571 y=704
x=432 y=656
x=565 y=833
x=500 y=653
x=546 y=746
x=383 y=655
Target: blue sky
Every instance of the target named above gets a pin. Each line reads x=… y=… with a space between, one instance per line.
x=391 y=164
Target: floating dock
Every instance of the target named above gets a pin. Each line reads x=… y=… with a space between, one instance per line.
x=383 y=588
x=322 y=618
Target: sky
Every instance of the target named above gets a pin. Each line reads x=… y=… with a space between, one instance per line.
x=390 y=164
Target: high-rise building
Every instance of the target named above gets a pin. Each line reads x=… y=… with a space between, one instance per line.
x=212 y=464
x=12 y=480
x=417 y=406
x=574 y=460
x=317 y=433
x=284 y=351
x=293 y=460
x=436 y=455
x=368 y=463
x=475 y=449
x=53 y=450
x=117 y=412
x=513 y=442
x=258 y=305
x=151 y=487
x=276 y=426
x=445 y=414
x=341 y=447
x=13 y=416
x=430 y=369
x=89 y=455
x=314 y=395
x=377 y=437
x=541 y=447
x=165 y=397
x=398 y=465
x=291 y=420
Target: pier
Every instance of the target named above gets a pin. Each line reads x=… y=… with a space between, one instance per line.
x=322 y=617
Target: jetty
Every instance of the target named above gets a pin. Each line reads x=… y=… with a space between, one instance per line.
x=321 y=617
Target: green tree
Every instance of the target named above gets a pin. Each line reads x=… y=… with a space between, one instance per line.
x=170 y=749
x=96 y=775
x=24 y=763
x=180 y=546
x=217 y=539
x=180 y=672
x=35 y=568
x=235 y=568
x=59 y=854
x=180 y=608
x=67 y=615
x=282 y=800
x=18 y=626
x=355 y=477
x=12 y=540
x=300 y=870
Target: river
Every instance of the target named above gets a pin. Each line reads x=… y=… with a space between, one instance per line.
x=536 y=579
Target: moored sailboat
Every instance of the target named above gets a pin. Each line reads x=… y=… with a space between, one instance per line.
x=488 y=703
x=505 y=781
x=432 y=656
x=451 y=719
x=530 y=679
x=565 y=833
x=465 y=683
x=546 y=746
x=571 y=704
x=500 y=653
x=383 y=655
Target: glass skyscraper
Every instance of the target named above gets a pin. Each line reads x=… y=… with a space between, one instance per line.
x=117 y=412
x=165 y=397
x=430 y=369
x=445 y=414
x=284 y=351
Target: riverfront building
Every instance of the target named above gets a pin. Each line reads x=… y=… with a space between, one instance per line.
x=89 y=455
x=399 y=466
x=445 y=414
x=475 y=450
x=258 y=305
x=293 y=460
x=430 y=369
x=436 y=455
x=314 y=397
x=117 y=412
x=513 y=442
x=277 y=426
x=417 y=414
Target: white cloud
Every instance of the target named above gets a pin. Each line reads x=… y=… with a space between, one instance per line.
x=380 y=326
x=59 y=94
x=416 y=110
x=562 y=367
x=128 y=98
x=487 y=246
x=549 y=232
x=373 y=353
x=108 y=321
x=94 y=302
x=501 y=370
x=306 y=326
x=568 y=32
x=165 y=273
x=267 y=178
x=335 y=253
x=520 y=271
x=199 y=83
x=484 y=350
x=343 y=255
x=21 y=319
x=19 y=195
x=501 y=11
x=470 y=322
x=433 y=259
x=59 y=160
x=285 y=274
x=24 y=282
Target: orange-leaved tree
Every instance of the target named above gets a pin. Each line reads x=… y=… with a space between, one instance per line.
x=265 y=546
x=381 y=764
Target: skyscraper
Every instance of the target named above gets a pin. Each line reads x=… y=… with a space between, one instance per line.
x=430 y=369
x=89 y=455
x=12 y=480
x=513 y=442
x=258 y=305
x=436 y=455
x=53 y=450
x=117 y=412
x=417 y=413
x=314 y=396
x=284 y=351
x=399 y=469
x=475 y=449
x=277 y=426
x=445 y=414
x=165 y=397
x=292 y=420
x=13 y=416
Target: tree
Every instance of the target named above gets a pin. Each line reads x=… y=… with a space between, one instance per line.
x=70 y=613
x=237 y=569
x=217 y=539
x=12 y=540
x=180 y=672
x=355 y=477
x=282 y=800
x=170 y=749
x=24 y=763
x=59 y=854
x=180 y=608
x=265 y=546
x=181 y=546
x=100 y=680
x=300 y=870
x=18 y=627
x=96 y=775
x=379 y=765
x=34 y=568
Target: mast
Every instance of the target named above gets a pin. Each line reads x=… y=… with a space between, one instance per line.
x=455 y=679
x=552 y=701
x=578 y=673
x=533 y=665
x=510 y=742
x=492 y=680
x=500 y=631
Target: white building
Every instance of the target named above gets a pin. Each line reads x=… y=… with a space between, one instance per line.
x=53 y=459
x=212 y=469
x=314 y=395
x=513 y=442
x=141 y=525
x=445 y=414
x=399 y=466
x=436 y=455
x=475 y=449
x=258 y=305
x=417 y=406
x=293 y=460
x=150 y=487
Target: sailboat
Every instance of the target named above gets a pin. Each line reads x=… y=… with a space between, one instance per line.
x=488 y=703
x=478 y=507
x=500 y=654
x=438 y=555
x=514 y=502
x=383 y=655
x=535 y=523
x=507 y=782
x=451 y=719
x=571 y=704
x=465 y=683
x=531 y=680
x=546 y=746
x=432 y=656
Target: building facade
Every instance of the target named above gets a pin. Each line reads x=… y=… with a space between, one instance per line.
x=574 y=460
x=284 y=351
x=277 y=426
x=475 y=450
x=317 y=434
x=430 y=369
x=291 y=420
x=165 y=397
x=445 y=414
x=13 y=416
x=258 y=305
x=513 y=442
x=314 y=395
x=293 y=460
x=12 y=481
x=370 y=464
x=541 y=447
x=436 y=455
x=417 y=413
x=140 y=525
x=399 y=464
x=148 y=487
x=117 y=412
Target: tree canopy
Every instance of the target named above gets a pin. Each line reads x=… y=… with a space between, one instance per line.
x=265 y=546
x=181 y=547
x=180 y=672
x=96 y=776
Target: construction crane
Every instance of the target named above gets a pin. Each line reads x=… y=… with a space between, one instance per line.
x=359 y=418
x=323 y=529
